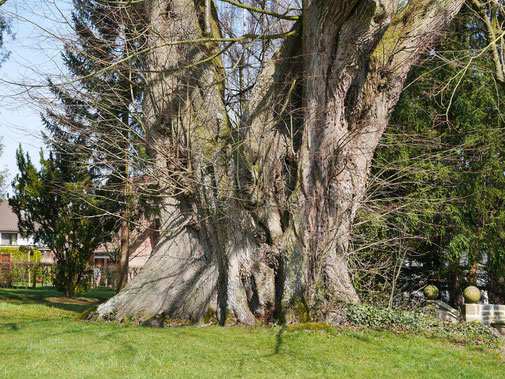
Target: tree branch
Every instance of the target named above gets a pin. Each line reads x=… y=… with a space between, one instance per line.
x=491 y=36
x=263 y=11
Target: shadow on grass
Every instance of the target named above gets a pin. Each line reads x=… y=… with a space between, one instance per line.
x=50 y=297
x=360 y=336
x=28 y=294
x=44 y=329
x=279 y=339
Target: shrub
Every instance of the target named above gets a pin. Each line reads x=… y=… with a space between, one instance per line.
x=22 y=268
x=378 y=318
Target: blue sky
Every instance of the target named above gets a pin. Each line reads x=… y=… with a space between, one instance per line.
x=35 y=55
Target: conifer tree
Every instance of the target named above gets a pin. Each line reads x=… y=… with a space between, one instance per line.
x=437 y=194
x=96 y=120
x=4 y=29
x=56 y=207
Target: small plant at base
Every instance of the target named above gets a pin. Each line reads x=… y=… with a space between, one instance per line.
x=210 y=317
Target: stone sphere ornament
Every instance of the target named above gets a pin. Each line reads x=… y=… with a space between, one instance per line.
x=471 y=294
x=431 y=292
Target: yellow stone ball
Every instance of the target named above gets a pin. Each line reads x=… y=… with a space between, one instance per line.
x=431 y=292
x=471 y=294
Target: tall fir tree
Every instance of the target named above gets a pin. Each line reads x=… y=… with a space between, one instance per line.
x=435 y=203
x=97 y=121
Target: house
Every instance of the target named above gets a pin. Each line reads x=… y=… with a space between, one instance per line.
x=143 y=239
x=143 y=245
x=10 y=236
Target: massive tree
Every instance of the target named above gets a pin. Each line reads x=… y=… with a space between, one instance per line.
x=256 y=213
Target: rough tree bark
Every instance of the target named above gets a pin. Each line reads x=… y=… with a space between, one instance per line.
x=258 y=216
x=124 y=254
x=124 y=228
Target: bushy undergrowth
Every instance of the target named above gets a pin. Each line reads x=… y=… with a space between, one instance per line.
x=472 y=333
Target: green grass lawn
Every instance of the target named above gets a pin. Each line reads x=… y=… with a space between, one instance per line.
x=40 y=337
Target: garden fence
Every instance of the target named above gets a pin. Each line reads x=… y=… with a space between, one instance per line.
x=25 y=274
x=32 y=274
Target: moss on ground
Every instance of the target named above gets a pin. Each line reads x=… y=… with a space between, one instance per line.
x=310 y=326
x=84 y=315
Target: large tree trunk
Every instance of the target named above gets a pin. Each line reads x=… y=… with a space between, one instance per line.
x=354 y=73
x=124 y=254
x=259 y=215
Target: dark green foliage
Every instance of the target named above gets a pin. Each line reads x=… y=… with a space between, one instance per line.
x=56 y=207
x=97 y=117
x=436 y=199
x=473 y=333
x=99 y=108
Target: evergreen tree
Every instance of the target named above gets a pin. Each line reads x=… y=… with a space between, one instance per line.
x=437 y=196
x=4 y=27
x=55 y=206
x=97 y=121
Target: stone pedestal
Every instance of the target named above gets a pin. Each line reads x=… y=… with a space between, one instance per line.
x=443 y=311
x=486 y=314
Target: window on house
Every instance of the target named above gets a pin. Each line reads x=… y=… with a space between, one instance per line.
x=9 y=239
